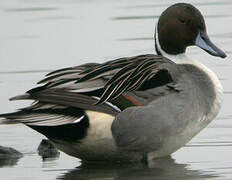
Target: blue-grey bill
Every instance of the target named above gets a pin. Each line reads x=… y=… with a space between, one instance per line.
x=204 y=43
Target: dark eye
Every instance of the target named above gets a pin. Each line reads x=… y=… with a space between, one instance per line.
x=182 y=20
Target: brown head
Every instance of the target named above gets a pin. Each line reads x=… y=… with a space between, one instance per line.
x=182 y=25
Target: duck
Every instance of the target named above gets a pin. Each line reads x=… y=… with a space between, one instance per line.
x=132 y=108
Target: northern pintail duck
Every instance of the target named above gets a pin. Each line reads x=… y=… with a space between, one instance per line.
x=132 y=108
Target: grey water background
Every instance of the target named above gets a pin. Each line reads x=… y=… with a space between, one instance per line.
x=37 y=36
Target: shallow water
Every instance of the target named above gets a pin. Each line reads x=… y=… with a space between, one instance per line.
x=41 y=35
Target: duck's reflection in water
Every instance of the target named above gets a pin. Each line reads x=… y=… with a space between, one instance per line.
x=165 y=168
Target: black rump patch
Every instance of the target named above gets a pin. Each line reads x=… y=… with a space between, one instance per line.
x=67 y=132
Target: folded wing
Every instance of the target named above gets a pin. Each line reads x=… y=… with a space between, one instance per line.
x=106 y=88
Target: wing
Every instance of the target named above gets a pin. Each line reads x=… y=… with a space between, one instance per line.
x=110 y=88
x=110 y=80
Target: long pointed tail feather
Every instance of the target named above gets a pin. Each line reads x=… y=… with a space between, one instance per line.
x=20 y=97
x=5 y=120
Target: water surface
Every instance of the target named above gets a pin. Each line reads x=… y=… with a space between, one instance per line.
x=38 y=36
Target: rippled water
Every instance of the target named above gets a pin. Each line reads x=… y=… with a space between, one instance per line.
x=41 y=35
